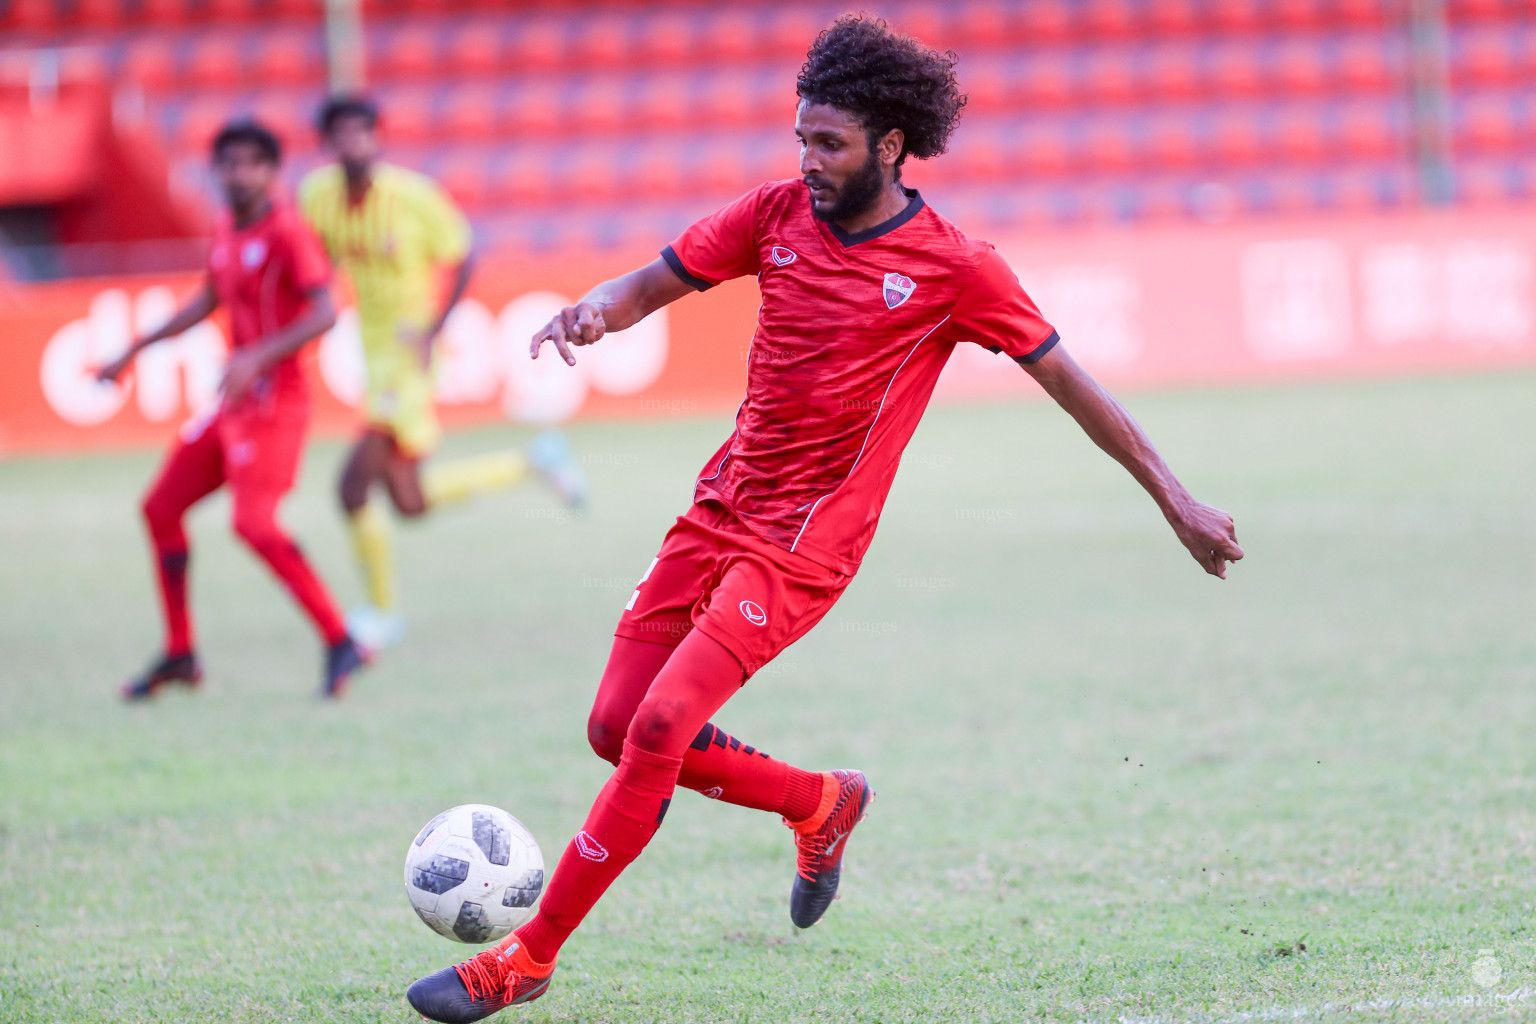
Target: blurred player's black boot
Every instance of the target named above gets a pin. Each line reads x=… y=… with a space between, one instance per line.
x=501 y=976
x=820 y=841
x=179 y=668
x=342 y=659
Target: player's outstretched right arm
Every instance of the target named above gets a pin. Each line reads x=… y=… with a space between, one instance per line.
x=197 y=309
x=611 y=306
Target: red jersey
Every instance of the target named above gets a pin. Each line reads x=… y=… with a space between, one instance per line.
x=851 y=336
x=263 y=274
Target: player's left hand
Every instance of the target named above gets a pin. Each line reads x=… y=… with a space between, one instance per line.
x=1209 y=534
x=243 y=369
x=419 y=339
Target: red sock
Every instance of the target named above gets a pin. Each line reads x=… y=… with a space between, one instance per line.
x=256 y=524
x=723 y=768
x=626 y=815
x=173 y=601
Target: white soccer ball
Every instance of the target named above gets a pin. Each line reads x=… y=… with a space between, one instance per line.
x=474 y=873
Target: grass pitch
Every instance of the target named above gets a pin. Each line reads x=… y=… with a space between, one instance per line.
x=1109 y=785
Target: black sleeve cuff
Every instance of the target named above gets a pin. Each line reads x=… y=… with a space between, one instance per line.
x=1040 y=350
x=682 y=272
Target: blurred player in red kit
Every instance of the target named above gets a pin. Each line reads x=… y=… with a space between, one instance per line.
x=865 y=293
x=270 y=272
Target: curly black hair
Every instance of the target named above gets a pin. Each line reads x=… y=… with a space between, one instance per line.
x=885 y=80
x=248 y=131
x=338 y=107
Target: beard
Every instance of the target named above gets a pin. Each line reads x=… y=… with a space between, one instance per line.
x=860 y=192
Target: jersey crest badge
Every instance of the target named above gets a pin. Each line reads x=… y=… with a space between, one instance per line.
x=253 y=253
x=782 y=257
x=898 y=289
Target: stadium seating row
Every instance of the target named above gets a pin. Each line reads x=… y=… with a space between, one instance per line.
x=689 y=23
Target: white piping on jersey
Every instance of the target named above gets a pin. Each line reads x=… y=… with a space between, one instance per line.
x=727 y=456
x=878 y=410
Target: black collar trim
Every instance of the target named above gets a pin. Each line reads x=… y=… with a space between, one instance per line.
x=914 y=207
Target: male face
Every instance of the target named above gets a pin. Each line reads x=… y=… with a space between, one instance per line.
x=841 y=166
x=246 y=175
x=355 y=141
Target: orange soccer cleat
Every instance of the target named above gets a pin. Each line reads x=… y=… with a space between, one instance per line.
x=820 y=841
x=501 y=976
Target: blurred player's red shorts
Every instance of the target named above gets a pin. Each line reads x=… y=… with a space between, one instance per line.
x=716 y=575
x=255 y=447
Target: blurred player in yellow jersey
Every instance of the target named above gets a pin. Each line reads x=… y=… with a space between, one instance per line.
x=408 y=252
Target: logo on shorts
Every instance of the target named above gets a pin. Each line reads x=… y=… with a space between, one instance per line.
x=754 y=613
x=590 y=848
x=782 y=257
x=898 y=289
x=713 y=792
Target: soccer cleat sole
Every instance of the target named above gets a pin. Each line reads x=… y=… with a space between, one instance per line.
x=808 y=902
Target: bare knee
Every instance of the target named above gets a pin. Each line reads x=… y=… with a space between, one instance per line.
x=353 y=490
x=655 y=726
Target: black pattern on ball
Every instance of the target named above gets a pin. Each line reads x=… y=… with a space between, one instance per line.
x=472 y=925
x=525 y=891
x=493 y=838
x=440 y=874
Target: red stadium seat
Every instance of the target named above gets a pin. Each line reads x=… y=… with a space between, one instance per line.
x=408 y=54
x=600 y=41
x=217 y=61
x=200 y=122
x=1044 y=154
x=1477 y=10
x=987 y=86
x=1365 y=132
x=662 y=101
x=524 y=179
x=224 y=12
x=1107 y=148
x=407 y=118
x=1233 y=72
x=1044 y=82
x=1363 y=65
x=1361 y=13
x=666 y=40
x=287 y=57
x=600 y=104
x=475 y=48
x=791 y=31
x=730 y=35
x=306 y=10
x=1111 y=19
x=1046 y=21
x=1172 y=144
x=98 y=14
x=1486 y=126
x=722 y=170
x=728 y=99
x=151 y=63
x=31 y=15
x=471 y=113
x=536 y=45
x=1236 y=15
x=464 y=177
x=1485 y=59
x=1172 y=72
x=1236 y=140
x=1110 y=76
x=652 y=172
x=1298 y=69
x=978 y=158
x=290 y=120
x=591 y=175
x=1299 y=14
x=1298 y=136
x=535 y=109
x=164 y=12
x=982 y=23
x=1172 y=17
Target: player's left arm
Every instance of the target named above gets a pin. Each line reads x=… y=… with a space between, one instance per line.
x=1206 y=531
x=248 y=363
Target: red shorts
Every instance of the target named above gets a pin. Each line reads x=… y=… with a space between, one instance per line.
x=255 y=447
x=716 y=575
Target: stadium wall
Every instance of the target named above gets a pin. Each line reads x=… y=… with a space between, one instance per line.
x=1186 y=305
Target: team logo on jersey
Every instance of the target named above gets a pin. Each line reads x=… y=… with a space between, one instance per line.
x=590 y=848
x=753 y=613
x=898 y=289
x=253 y=253
x=713 y=792
x=782 y=257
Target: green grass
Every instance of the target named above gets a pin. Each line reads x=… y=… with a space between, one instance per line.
x=1109 y=785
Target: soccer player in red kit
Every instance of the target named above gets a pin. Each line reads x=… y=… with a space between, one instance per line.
x=268 y=269
x=865 y=293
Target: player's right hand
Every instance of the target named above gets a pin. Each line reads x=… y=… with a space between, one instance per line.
x=581 y=324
